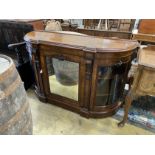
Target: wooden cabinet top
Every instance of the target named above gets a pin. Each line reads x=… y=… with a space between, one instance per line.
x=84 y=42
x=143 y=37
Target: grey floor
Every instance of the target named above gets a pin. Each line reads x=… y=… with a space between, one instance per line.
x=50 y=120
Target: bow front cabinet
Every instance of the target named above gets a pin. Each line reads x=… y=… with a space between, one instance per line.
x=81 y=73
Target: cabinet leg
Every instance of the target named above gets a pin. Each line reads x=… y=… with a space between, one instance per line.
x=128 y=100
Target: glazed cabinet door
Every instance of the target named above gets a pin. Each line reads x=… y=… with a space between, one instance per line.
x=107 y=86
x=63 y=77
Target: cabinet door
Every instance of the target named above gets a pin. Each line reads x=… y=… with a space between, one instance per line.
x=63 y=78
x=108 y=85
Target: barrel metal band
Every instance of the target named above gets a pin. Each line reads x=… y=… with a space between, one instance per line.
x=14 y=119
x=9 y=90
x=7 y=73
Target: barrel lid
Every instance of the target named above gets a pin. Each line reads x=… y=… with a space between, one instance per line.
x=5 y=63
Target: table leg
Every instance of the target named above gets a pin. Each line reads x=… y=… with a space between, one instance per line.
x=128 y=100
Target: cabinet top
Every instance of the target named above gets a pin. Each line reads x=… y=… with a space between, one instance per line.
x=78 y=41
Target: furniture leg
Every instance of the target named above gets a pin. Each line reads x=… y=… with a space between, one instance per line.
x=128 y=100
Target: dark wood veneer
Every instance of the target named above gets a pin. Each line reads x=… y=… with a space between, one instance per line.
x=90 y=53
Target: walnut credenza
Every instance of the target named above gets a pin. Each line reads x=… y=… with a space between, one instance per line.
x=84 y=74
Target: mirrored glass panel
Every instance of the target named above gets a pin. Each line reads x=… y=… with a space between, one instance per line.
x=110 y=84
x=63 y=77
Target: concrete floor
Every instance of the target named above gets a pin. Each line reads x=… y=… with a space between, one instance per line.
x=49 y=119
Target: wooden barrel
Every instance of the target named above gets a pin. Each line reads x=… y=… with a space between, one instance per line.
x=15 y=113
